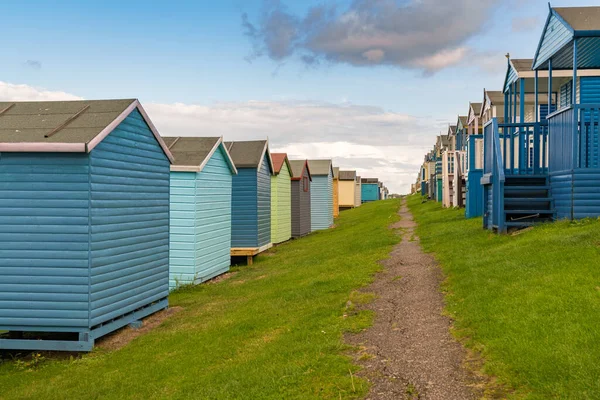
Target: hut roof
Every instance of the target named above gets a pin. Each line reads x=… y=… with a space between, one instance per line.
x=319 y=167
x=451 y=129
x=463 y=120
x=297 y=167
x=369 y=180
x=336 y=172
x=278 y=160
x=476 y=108
x=249 y=154
x=521 y=64
x=192 y=153
x=580 y=18
x=347 y=175
x=65 y=126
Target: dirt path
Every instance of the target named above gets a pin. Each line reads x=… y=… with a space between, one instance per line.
x=409 y=352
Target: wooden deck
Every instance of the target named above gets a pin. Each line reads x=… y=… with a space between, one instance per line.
x=249 y=252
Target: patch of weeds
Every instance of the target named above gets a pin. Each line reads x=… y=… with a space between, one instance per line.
x=396 y=278
x=30 y=364
x=412 y=392
x=357 y=297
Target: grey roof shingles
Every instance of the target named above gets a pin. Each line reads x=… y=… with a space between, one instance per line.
x=297 y=167
x=30 y=121
x=246 y=154
x=190 y=151
x=319 y=167
x=347 y=175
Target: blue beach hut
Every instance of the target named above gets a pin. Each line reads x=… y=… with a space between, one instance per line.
x=369 y=189
x=251 y=198
x=321 y=194
x=200 y=235
x=84 y=221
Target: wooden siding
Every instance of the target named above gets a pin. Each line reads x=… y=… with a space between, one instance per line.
x=200 y=223
x=301 y=221
x=182 y=230
x=358 y=194
x=244 y=219
x=129 y=241
x=336 y=198
x=555 y=36
x=281 y=205
x=369 y=192
x=264 y=203
x=321 y=205
x=44 y=229
x=346 y=193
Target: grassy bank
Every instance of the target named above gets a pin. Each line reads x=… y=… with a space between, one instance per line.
x=270 y=331
x=529 y=303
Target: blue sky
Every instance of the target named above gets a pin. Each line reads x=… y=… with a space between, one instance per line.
x=189 y=58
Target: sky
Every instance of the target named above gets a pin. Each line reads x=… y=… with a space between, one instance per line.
x=368 y=83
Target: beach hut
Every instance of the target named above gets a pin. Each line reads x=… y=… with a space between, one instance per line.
x=301 y=187
x=369 y=189
x=357 y=192
x=321 y=194
x=281 y=199
x=336 y=192
x=200 y=232
x=251 y=198
x=84 y=220
x=347 y=189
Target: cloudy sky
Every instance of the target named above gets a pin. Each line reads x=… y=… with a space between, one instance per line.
x=368 y=83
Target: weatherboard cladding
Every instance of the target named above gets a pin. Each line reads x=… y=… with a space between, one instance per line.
x=251 y=206
x=200 y=221
x=358 y=192
x=281 y=205
x=321 y=195
x=556 y=35
x=336 y=192
x=301 y=207
x=369 y=191
x=84 y=237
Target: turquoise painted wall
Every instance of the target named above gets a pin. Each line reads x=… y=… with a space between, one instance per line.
x=200 y=222
x=369 y=192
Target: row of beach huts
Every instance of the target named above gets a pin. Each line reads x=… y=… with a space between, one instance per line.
x=529 y=152
x=100 y=216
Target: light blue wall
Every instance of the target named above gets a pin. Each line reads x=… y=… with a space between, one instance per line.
x=44 y=241
x=129 y=181
x=83 y=238
x=554 y=37
x=264 y=203
x=369 y=192
x=321 y=202
x=244 y=229
x=200 y=222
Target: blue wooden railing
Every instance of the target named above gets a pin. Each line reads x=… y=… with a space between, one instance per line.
x=493 y=169
x=574 y=138
x=524 y=147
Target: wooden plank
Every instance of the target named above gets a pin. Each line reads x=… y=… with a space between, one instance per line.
x=249 y=251
x=67 y=122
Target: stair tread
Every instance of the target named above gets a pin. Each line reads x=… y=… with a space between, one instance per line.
x=528 y=212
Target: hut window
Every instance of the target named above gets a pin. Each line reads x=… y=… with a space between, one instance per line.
x=305 y=183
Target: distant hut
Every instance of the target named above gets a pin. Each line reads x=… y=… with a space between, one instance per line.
x=251 y=198
x=85 y=221
x=369 y=189
x=321 y=194
x=281 y=199
x=200 y=235
x=336 y=192
x=301 y=187
x=347 y=189
x=358 y=192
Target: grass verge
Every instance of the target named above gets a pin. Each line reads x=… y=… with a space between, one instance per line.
x=271 y=331
x=529 y=304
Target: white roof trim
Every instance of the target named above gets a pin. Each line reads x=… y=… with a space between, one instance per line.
x=266 y=149
x=113 y=125
x=185 y=168
x=43 y=147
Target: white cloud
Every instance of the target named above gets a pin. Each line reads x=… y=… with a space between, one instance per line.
x=376 y=142
x=9 y=91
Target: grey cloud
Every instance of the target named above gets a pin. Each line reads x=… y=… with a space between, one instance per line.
x=427 y=35
x=525 y=24
x=35 y=64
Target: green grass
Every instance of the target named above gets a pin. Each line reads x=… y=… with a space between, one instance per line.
x=273 y=330
x=529 y=304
